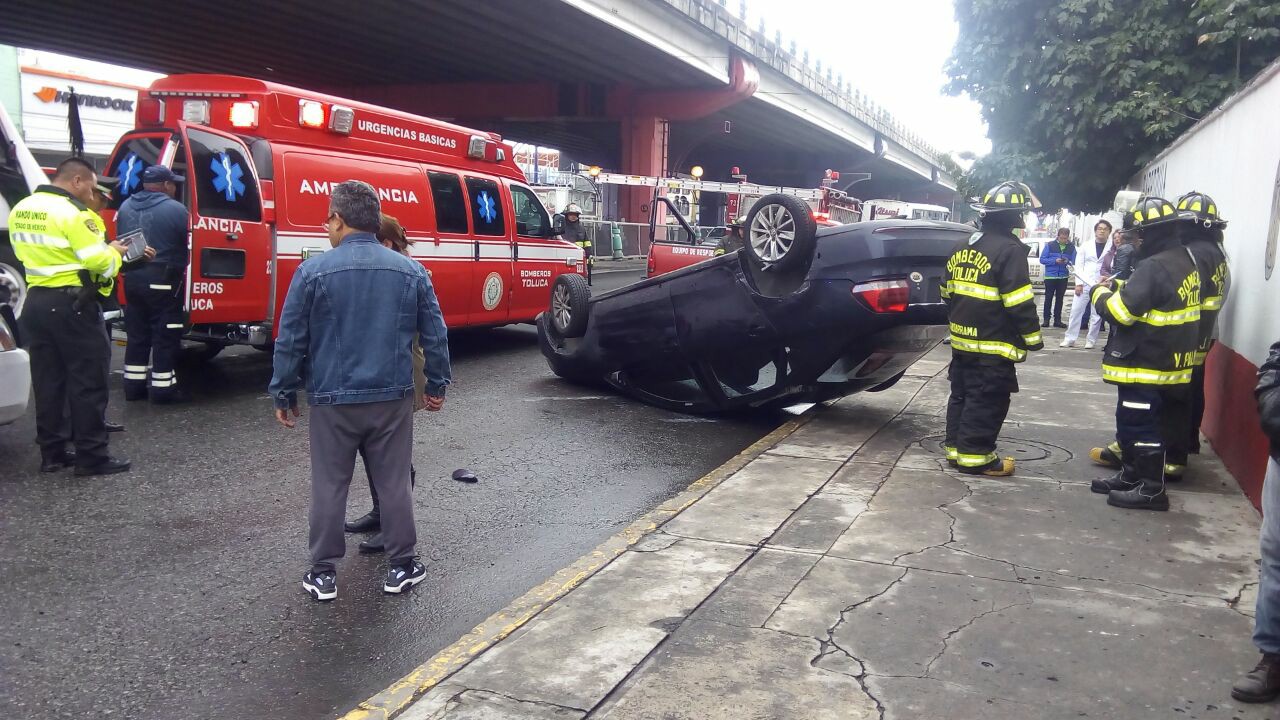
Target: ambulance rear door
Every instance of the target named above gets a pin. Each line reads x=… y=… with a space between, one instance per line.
x=492 y=228
x=230 y=276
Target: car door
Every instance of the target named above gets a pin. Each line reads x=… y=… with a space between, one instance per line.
x=539 y=258
x=229 y=280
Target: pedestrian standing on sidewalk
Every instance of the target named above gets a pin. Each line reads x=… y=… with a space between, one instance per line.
x=1157 y=313
x=1058 y=257
x=992 y=313
x=392 y=236
x=359 y=370
x=1262 y=684
x=1088 y=274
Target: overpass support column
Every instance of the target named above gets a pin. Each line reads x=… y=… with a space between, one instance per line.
x=644 y=152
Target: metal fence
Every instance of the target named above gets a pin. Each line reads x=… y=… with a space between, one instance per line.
x=635 y=236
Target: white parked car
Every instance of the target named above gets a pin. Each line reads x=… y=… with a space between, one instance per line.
x=19 y=175
x=1034 y=268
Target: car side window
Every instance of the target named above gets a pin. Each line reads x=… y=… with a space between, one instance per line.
x=531 y=217
x=451 y=206
x=486 y=207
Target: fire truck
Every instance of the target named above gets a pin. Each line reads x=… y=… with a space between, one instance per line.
x=260 y=160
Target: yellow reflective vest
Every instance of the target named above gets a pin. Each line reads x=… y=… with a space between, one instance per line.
x=55 y=236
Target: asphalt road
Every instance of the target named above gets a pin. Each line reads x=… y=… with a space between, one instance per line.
x=174 y=590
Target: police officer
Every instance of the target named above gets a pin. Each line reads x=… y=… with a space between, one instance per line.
x=1151 y=355
x=56 y=236
x=993 y=319
x=154 y=319
x=1200 y=228
x=575 y=233
x=732 y=240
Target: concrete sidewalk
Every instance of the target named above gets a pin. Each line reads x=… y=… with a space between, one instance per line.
x=845 y=572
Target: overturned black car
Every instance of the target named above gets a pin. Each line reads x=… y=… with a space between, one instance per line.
x=799 y=315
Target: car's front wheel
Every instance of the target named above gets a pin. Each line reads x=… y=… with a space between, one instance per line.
x=13 y=281
x=570 y=304
x=781 y=232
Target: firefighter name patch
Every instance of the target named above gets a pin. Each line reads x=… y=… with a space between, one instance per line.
x=491 y=292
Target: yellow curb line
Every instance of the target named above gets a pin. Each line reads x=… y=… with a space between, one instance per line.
x=499 y=625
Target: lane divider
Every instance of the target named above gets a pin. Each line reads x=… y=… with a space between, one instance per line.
x=400 y=694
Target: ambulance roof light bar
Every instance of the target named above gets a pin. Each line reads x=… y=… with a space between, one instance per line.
x=243 y=114
x=311 y=114
x=195 y=111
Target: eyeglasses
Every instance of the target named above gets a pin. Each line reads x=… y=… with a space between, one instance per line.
x=329 y=219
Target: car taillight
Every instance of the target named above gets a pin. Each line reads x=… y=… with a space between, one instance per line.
x=884 y=296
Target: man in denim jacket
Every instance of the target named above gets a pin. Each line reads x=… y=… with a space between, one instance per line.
x=351 y=316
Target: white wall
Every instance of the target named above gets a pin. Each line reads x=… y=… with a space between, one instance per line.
x=1234 y=156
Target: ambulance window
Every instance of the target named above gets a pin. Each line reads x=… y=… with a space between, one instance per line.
x=224 y=183
x=451 y=206
x=486 y=207
x=531 y=217
x=132 y=157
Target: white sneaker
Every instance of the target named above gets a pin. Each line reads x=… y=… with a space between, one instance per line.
x=1067 y=343
x=1088 y=345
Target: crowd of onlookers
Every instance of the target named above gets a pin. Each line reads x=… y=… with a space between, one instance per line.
x=1083 y=267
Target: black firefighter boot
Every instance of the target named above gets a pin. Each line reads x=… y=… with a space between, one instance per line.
x=1125 y=479
x=1150 y=493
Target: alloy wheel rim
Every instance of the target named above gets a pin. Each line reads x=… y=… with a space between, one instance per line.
x=773 y=232
x=560 y=310
x=17 y=288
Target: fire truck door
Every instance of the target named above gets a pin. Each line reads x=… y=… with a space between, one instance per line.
x=491 y=291
x=230 y=276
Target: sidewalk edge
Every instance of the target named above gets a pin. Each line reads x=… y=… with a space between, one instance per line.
x=400 y=694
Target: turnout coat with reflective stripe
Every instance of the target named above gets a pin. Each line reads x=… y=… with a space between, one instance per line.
x=992 y=308
x=1211 y=263
x=55 y=236
x=1157 y=316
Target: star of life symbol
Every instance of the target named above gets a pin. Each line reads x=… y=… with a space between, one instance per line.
x=488 y=208
x=130 y=173
x=226 y=176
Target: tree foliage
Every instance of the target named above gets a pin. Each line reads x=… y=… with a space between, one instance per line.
x=1079 y=94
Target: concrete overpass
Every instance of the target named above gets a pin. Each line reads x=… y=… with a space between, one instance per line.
x=638 y=86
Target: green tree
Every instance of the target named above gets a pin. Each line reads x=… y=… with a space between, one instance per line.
x=1079 y=94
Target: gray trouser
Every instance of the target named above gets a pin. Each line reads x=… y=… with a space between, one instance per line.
x=383 y=432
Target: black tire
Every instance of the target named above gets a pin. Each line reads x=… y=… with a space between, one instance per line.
x=780 y=233
x=887 y=383
x=570 y=305
x=201 y=352
x=13 y=276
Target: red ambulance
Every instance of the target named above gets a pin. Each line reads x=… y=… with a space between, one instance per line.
x=259 y=161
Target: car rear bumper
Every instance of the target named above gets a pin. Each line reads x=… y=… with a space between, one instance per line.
x=15 y=384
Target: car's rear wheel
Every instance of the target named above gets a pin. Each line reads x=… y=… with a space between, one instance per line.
x=570 y=304
x=13 y=282
x=781 y=232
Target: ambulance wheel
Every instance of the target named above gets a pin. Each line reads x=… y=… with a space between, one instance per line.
x=781 y=233
x=570 y=304
x=13 y=281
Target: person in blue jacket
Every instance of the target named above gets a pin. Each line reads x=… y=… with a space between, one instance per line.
x=1058 y=257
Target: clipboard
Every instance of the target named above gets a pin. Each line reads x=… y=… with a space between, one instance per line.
x=136 y=240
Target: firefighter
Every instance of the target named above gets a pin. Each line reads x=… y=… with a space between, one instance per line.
x=154 y=320
x=993 y=319
x=732 y=240
x=1200 y=228
x=1151 y=354
x=575 y=233
x=57 y=237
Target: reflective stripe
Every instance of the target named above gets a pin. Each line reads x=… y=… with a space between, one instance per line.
x=39 y=239
x=174 y=326
x=1136 y=406
x=51 y=270
x=89 y=253
x=1115 y=447
x=1145 y=376
x=1119 y=311
x=1212 y=303
x=1176 y=317
x=1147 y=444
x=163 y=383
x=161 y=287
x=974 y=290
x=972 y=461
x=162 y=375
x=135 y=376
x=1017 y=297
x=1198 y=357
x=1034 y=338
x=946 y=290
x=135 y=368
x=1172 y=469
x=952 y=453
x=988 y=347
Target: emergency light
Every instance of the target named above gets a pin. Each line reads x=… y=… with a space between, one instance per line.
x=150 y=112
x=243 y=114
x=195 y=111
x=311 y=114
x=476 y=146
x=341 y=119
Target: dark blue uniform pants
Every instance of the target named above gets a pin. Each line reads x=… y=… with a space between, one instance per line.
x=154 y=323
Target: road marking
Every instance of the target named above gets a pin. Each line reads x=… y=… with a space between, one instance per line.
x=400 y=694
x=572 y=397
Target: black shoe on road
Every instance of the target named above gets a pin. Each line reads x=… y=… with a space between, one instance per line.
x=113 y=427
x=1044 y=324
x=110 y=466
x=373 y=545
x=1116 y=482
x=1261 y=684
x=60 y=461
x=369 y=522
x=403 y=577
x=321 y=585
x=1135 y=499
x=1060 y=325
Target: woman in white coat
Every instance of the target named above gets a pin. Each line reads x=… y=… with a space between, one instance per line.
x=1088 y=272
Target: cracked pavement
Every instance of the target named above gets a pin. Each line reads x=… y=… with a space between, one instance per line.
x=847 y=572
